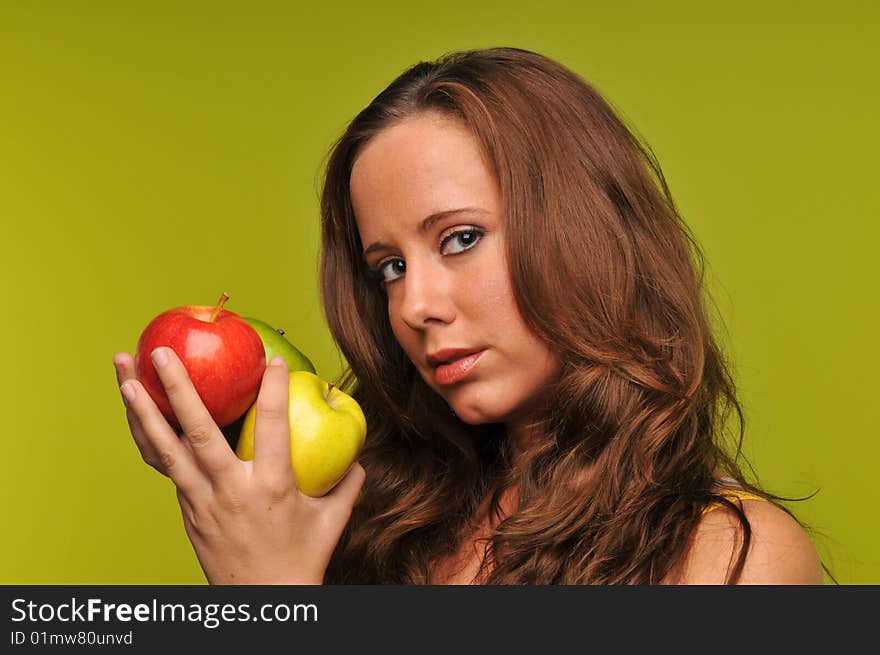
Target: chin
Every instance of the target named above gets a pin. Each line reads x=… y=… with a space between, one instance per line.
x=475 y=403
x=477 y=411
x=472 y=417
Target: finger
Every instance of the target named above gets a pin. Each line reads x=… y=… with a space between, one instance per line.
x=148 y=453
x=125 y=370
x=272 y=425
x=346 y=491
x=124 y=365
x=208 y=443
x=178 y=462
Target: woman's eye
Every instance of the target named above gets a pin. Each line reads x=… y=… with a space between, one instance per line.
x=467 y=238
x=386 y=269
x=393 y=268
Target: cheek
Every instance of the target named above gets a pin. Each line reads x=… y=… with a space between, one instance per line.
x=530 y=362
x=498 y=314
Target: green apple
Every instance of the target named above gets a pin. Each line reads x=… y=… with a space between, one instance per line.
x=327 y=432
x=276 y=344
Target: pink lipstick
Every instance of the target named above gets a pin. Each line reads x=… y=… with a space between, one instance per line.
x=457 y=370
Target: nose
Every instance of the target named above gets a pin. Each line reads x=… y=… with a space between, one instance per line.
x=427 y=295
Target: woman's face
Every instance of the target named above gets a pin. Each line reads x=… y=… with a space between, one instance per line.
x=446 y=278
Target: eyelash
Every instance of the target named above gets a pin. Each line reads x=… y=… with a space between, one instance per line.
x=376 y=273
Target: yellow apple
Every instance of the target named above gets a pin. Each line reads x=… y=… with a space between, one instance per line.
x=327 y=432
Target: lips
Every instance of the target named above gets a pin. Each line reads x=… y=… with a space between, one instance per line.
x=458 y=369
x=451 y=360
x=449 y=355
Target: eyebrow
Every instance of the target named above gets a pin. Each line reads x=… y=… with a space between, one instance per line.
x=426 y=224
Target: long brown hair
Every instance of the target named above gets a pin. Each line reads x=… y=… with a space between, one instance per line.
x=605 y=271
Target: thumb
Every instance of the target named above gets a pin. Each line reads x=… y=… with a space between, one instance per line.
x=346 y=491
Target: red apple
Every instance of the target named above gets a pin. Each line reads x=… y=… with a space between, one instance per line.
x=222 y=353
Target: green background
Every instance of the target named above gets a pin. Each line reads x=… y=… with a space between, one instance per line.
x=155 y=154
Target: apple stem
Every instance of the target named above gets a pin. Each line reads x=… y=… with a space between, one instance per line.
x=220 y=303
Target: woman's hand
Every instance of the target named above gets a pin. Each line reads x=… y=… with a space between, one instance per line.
x=247 y=520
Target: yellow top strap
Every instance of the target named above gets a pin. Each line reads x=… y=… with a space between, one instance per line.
x=733 y=494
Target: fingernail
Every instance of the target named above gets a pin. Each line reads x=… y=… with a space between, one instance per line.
x=277 y=361
x=159 y=357
x=128 y=392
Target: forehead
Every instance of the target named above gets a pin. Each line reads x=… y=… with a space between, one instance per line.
x=422 y=165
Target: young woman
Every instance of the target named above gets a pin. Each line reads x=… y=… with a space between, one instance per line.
x=521 y=308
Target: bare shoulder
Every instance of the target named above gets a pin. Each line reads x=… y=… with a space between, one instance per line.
x=780 y=550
